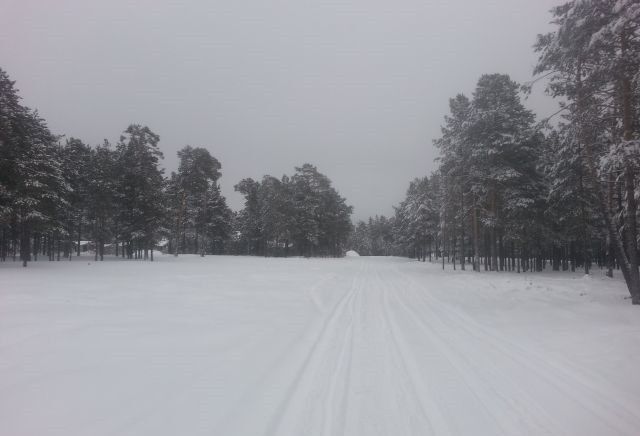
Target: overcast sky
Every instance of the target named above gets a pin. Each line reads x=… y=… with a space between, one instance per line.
x=358 y=88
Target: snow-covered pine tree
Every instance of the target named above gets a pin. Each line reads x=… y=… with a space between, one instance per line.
x=571 y=211
x=504 y=173
x=214 y=221
x=33 y=191
x=249 y=220
x=303 y=211
x=417 y=219
x=102 y=187
x=592 y=60
x=198 y=173
x=455 y=154
x=76 y=167
x=322 y=215
x=140 y=187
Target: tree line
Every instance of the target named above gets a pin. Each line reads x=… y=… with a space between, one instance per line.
x=301 y=214
x=57 y=197
x=511 y=193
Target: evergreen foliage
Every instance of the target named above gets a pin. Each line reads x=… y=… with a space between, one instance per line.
x=58 y=200
x=303 y=213
x=510 y=193
x=513 y=194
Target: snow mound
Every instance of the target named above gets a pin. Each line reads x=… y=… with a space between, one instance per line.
x=352 y=253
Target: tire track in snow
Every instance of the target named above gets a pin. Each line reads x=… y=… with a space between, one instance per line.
x=482 y=388
x=306 y=387
x=228 y=423
x=611 y=413
x=590 y=379
x=518 y=402
x=448 y=376
x=324 y=398
x=429 y=410
x=336 y=403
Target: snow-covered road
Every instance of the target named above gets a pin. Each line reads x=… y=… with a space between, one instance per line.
x=356 y=346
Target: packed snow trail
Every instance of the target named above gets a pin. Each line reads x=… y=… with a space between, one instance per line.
x=356 y=346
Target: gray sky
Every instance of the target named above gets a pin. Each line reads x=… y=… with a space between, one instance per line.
x=359 y=88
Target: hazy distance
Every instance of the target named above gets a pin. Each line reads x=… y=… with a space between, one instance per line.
x=357 y=88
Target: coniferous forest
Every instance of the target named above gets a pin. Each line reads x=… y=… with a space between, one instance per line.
x=60 y=197
x=519 y=194
x=511 y=192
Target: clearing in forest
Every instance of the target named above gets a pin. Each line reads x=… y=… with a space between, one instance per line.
x=353 y=346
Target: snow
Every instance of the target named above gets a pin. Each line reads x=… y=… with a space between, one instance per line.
x=355 y=346
x=352 y=253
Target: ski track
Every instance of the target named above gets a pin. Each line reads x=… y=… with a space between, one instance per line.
x=379 y=351
x=560 y=383
x=309 y=385
x=466 y=368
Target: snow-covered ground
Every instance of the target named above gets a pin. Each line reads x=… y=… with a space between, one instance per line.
x=354 y=346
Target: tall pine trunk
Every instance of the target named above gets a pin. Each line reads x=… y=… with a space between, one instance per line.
x=628 y=261
x=462 y=247
x=79 y=235
x=179 y=219
x=25 y=244
x=476 y=242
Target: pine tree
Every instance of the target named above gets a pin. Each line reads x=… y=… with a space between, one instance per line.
x=101 y=199
x=304 y=211
x=249 y=222
x=455 y=164
x=197 y=174
x=214 y=221
x=504 y=166
x=39 y=193
x=140 y=187
x=592 y=61
x=77 y=165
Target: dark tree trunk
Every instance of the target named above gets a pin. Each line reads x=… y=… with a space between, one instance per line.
x=25 y=245
x=79 y=235
x=476 y=244
x=179 y=220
